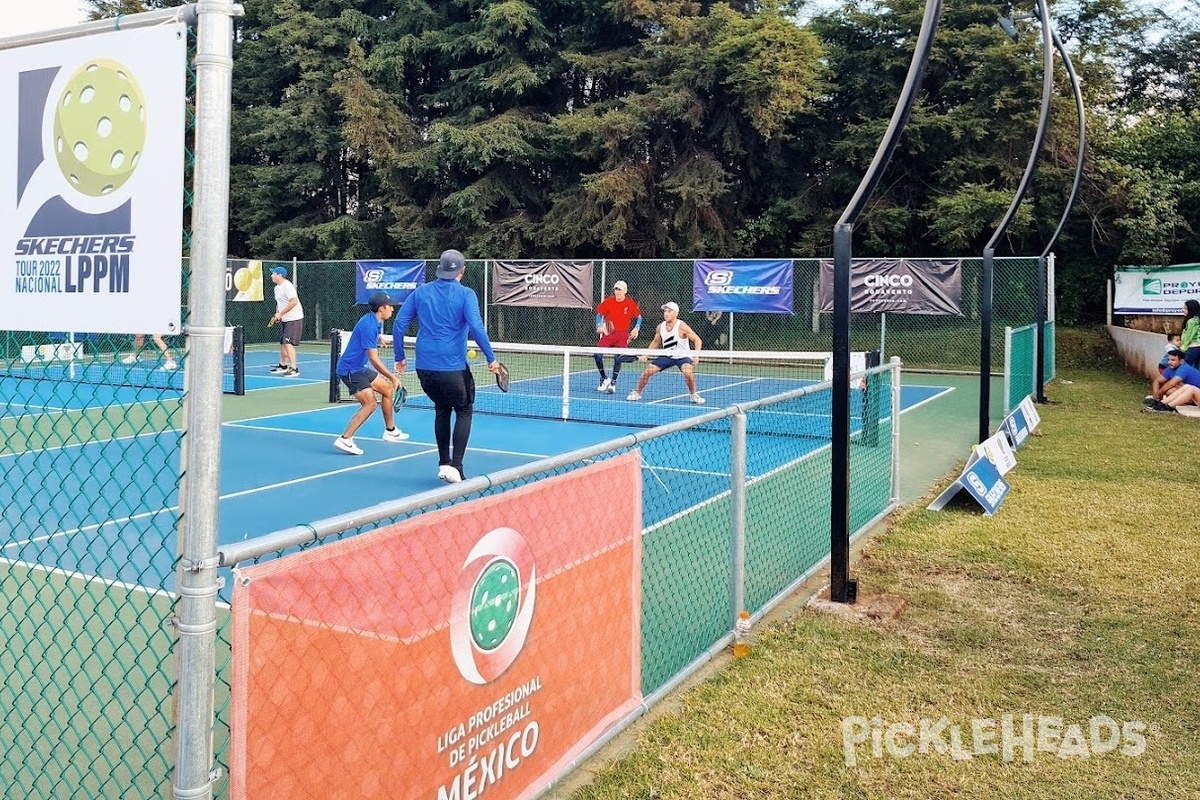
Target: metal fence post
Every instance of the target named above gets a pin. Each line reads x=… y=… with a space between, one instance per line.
x=737 y=517
x=196 y=617
x=895 y=365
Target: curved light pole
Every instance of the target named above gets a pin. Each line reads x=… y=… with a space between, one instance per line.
x=989 y=250
x=1009 y=27
x=1043 y=283
x=841 y=588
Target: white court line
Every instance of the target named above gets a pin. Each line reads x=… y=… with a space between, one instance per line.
x=472 y=448
x=89 y=579
x=243 y=493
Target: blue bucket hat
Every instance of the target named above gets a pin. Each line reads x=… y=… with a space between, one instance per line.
x=279 y=271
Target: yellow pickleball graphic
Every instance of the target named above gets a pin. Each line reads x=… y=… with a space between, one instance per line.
x=99 y=127
x=243 y=279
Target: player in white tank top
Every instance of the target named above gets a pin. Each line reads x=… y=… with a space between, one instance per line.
x=675 y=335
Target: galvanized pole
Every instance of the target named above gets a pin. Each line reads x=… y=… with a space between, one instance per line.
x=737 y=518
x=196 y=618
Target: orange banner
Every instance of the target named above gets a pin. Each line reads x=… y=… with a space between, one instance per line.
x=473 y=650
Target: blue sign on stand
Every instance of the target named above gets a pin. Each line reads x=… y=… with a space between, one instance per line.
x=983 y=483
x=1015 y=427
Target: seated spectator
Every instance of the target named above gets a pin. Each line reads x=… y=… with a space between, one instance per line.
x=1178 y=376
x=1156 y=392
x=1182 y=396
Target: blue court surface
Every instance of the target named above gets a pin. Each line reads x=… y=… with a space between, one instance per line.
x=282 y=470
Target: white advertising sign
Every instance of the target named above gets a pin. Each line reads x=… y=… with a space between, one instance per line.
x=1161 y=290
x=91 y=182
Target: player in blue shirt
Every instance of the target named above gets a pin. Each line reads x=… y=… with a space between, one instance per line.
x=361 y=370
x=446 y=311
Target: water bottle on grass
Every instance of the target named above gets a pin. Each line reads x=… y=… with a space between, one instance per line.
x=741 y=635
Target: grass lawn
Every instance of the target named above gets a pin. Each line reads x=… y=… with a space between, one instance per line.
x=1078 y=604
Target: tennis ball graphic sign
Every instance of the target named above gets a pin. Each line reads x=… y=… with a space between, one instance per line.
x=91 y=215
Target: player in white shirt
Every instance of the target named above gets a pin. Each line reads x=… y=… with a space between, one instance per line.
x=676 y=335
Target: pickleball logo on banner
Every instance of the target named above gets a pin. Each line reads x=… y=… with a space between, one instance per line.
x=492 y=607
x=1151 y=287
x=92 y=162
x=78 y=232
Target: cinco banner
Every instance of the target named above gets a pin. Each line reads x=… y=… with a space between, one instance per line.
x=558 y=284
x=759 y=286
x=468 y=652
x=399 y=278
x=1155 y=290
x=91 y=182
x=898 y=286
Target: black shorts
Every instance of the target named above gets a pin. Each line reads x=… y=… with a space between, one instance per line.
x=454 y=388
x=666 y=362
x=292 y=331
x=357 y=381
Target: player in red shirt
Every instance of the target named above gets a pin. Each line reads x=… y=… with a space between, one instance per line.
x=618 y=321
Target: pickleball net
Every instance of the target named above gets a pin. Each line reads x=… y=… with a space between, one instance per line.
x=114 y=361
x=563 y=382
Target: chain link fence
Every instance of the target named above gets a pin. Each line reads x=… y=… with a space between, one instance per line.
x=731 y=518
x=92 y=438
x=923 y=341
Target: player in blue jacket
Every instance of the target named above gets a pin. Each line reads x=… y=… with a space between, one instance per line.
x=446 y=311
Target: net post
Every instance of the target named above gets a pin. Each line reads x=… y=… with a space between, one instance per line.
x=737 y=517
x=239 y=360
x=335 y=352
x=566 y=384
x=871 y=401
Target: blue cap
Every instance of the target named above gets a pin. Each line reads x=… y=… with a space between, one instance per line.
x=279 y=271
x=450 y=264
x=379 y=300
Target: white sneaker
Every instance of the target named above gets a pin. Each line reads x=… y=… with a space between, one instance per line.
x=633 y=396
x=129 y=359
x=394 y=435
x=170 y=364
x=347 y=446
x=448 y=474
x=604 y=385
x=697 y=399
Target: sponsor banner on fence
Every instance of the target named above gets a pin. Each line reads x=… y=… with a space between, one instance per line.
x=898 y=286
x=754 y=285
x=1157 y=290
x=398 y=277
x=467 y=652
x=243 y=281
x=91 y=181
x=560 y=284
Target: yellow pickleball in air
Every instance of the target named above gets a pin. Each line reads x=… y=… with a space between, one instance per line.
x=471 y=353
x=243 y=279
x=99 y=127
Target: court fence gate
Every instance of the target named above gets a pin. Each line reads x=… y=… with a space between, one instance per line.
x=761 y=531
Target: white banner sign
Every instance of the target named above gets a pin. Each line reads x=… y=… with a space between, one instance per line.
x=91 y=182
x=1159 y=291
